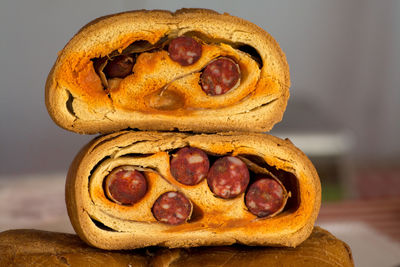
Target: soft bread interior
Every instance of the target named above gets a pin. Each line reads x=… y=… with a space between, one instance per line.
x=214 y=220
x=77 y=100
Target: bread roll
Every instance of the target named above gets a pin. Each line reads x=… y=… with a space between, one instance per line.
x=320 y=249
x=112 y=222
x=31 y=248
x=41 y=248
x=124 y=71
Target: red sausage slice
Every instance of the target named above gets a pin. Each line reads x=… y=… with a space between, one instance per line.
x=172 y=208
x=228 y=177
x=264 y=197
x=125 y=185
x=119 y=67
x=189 y=165
x=220 y=76
x=184 y=50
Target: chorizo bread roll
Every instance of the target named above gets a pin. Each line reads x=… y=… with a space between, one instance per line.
x=136 y=189
x=320 y=249
x=192 y=70
x=42 y=248
x=29 y=248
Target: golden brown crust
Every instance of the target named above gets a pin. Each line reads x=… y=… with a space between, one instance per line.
x=320 y=249
x=41 y=248
x=77 y=101
x=132 y=227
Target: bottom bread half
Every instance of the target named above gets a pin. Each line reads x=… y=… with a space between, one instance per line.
x=41 y=248
x=104 y=223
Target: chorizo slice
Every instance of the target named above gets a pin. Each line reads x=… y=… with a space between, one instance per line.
x=265 y=197
x=228 y=177
x=119 y=66
x=189 y=165
x=184 y=50
x=172 y=208
x=220 y=76
x=125 y=185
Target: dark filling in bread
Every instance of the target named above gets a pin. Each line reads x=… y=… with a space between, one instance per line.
x=256 y=167
x=288 y=179
x=118 y=65
x=248 y=49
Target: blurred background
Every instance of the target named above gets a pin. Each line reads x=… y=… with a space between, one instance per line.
x=344 y=109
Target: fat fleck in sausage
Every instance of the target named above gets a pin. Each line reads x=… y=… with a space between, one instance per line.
x=228 y=177
x=184 y=50
x=125 y=185
x=264 y=197
x=189 y=165
x=172 y=208
x=220 y=76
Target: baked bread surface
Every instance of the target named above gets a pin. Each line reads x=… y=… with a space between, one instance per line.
x=320 y=249
x=77 y=101
x=105 y=224
x=42 y=248
x=28 y=247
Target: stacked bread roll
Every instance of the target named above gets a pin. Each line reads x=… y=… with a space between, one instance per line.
x=58 y=249
x=182 y=100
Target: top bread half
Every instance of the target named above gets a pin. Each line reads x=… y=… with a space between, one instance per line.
x=192 y=70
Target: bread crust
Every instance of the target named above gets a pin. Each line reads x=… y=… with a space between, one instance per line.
x=87 y=204
x=42 y=248
x=28 y=247
x=320 y=249
x=76 y=100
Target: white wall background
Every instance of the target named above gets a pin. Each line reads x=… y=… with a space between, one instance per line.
x=344 y=58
